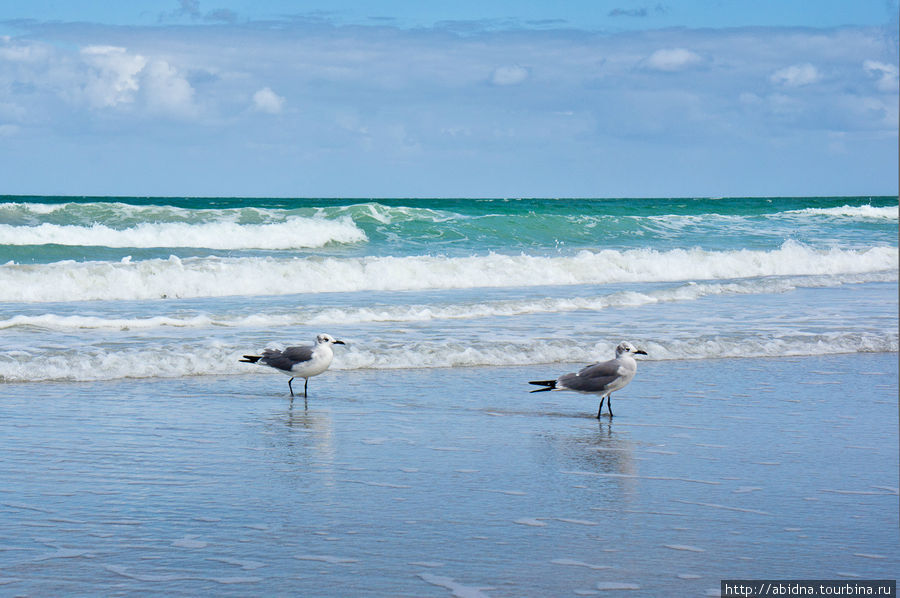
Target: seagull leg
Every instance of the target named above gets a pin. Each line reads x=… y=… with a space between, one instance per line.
x=609 y=405
x=601 y=407
x=305 y=384
x=291 y=387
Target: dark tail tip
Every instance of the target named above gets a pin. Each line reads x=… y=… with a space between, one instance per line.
x=251 y=358
x=550 y=384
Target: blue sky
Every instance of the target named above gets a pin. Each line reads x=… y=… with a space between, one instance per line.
x=597 y=98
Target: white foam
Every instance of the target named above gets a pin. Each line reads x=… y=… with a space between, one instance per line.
x=331 y=560
x=577 y=521
x=575 y=563
x=441 y=311
x=530 y=521
x=154 y=578
x=617 y=585
x=457 y=589
x=293 y=233
x=217 y=277
x=55 y=322
x=684 y=547
x=190 y=541
x=860 y=212
x=723 y=507
x=746 y=489
x=87 y=213
x=214 y=357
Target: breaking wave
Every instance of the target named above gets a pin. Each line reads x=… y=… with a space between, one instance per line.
x=323 y=316
x=293 y=233
x=254 y=276
x=220 y=358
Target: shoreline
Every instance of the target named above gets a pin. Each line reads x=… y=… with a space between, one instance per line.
x=421 y=481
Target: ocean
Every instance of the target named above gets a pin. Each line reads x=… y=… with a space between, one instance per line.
x=139 y=456
x=96 y=289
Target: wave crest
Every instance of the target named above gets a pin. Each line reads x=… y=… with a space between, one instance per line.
x=220 y=358
x=219 y=277
x=293 y=233
x=863 y=212
x=344 y=316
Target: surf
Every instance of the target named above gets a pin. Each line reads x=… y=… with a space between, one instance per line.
x=254 y=276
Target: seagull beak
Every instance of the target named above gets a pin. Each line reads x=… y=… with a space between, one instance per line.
x=640 y=352
x=339 y=342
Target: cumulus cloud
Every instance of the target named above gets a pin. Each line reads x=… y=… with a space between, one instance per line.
x=21 y=53
x=673 y=59
x=887 y=75
x=509 y=75
x=266 y=100
x=166 y=90
x=117 y=78
x=112 y=77
x=796 y=75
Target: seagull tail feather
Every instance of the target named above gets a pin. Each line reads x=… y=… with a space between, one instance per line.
x=251 y=358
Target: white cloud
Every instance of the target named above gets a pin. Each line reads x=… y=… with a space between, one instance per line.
x=112 y=77
x=23 y=53
x=116 y=77
x=887 y=75
x=509 y=75
x=796 y=75
x=673 y=59
x=165 y=90
x=266 y=100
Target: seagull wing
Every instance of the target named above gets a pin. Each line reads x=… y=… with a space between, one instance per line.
x=593 y=378
x=285 y=360
x=298 y=354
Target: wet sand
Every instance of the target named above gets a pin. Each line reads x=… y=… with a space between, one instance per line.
x=452 y=482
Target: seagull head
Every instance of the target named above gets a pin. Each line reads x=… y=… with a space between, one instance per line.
x=327 y=339
x=626 y=348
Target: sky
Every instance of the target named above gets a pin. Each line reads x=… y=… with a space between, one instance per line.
x=494 y=98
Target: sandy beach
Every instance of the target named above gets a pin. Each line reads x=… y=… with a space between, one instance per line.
x=437 y=482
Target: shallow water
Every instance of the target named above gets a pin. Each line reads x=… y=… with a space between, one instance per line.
x=437 y=482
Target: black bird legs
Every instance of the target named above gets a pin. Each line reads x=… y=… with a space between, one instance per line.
x=608 y=406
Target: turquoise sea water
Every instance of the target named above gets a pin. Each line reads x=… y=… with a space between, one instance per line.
x=138 y=456
x=150 y=287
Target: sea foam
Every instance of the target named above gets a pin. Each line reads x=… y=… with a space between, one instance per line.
x=216 y=357
x=217 y=277
x=293 y=233
x=861 y=212
x=465 y=310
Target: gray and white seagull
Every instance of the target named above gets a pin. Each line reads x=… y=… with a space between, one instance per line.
x=299 y=362
x=600 y=378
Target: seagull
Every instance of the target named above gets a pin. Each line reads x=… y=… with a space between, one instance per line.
x=299 y=362
x=600 y=378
